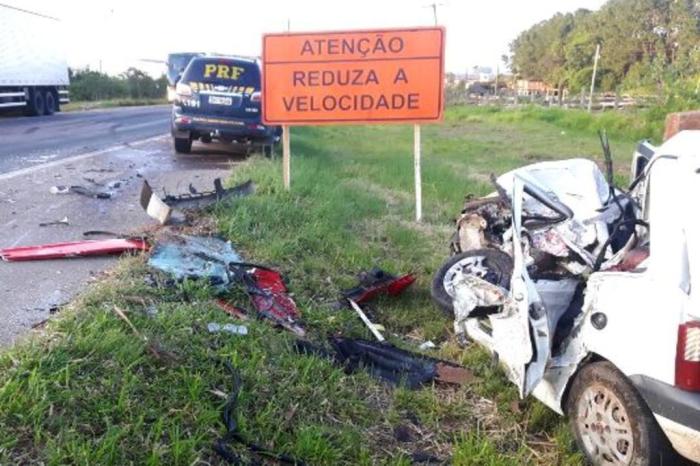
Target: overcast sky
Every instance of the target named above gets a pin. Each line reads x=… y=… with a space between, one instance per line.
x=119 y=33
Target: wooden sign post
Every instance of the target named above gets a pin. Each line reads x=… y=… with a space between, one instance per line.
x=286 y=158
x=354 y=77
x=417 y=172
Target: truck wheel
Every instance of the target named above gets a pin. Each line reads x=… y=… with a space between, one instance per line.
x=182 y=145
x=49 y=103
x=492 y=265
x=611 y=422
x=35 y=106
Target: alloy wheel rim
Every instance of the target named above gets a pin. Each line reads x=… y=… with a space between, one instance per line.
x=473 y=265
x=605 y=427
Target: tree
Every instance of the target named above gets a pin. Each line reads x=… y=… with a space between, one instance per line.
x=643 y=42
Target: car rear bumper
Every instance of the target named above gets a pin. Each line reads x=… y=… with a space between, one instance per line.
x=677 y=411
x=221 y=127
x=685 y=441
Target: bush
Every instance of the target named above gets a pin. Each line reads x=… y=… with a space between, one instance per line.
x=90 y=85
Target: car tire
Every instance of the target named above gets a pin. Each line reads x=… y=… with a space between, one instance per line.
x=206 y=139
x=49 y=103
x=182 y=145
x=611 y=422
x=35 y=106
x=493 y=265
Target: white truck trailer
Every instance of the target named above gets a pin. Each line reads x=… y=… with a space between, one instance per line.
x=33 y=69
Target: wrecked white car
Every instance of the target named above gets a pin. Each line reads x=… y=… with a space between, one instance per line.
x=588 y=296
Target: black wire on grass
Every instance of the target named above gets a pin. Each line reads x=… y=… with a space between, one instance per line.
x=233 y=436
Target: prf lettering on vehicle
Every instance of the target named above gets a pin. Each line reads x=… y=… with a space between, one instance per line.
x=222 y=71
x=355 y=76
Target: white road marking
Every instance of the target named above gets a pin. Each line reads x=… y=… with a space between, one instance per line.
x=75 y=158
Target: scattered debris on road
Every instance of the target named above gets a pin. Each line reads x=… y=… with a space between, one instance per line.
x=82 y=190
x=73 y=249
x=63 y=221
x=161 y=209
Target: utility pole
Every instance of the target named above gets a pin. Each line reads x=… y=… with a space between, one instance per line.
x=495 y=91
x=434 y=6
x=595 y=70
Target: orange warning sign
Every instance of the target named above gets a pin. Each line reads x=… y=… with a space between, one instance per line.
x=391 y=75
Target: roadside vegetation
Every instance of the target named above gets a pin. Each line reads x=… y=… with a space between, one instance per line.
x=89 y=390
x=649 y=49
x=133 y=87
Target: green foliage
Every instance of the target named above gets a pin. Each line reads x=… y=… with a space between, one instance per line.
x=88 y=85
x=644 y=43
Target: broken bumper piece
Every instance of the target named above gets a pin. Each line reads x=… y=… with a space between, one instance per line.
x=161 y=209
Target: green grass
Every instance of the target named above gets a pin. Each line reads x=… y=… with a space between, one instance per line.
x=90 y=391
x=634 y=124
x=74 y=106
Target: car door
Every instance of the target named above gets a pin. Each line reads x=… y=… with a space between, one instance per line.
x=520 y=334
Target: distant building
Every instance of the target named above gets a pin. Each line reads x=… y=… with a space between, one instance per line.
x=479 y=74
x=479 y=89
x=526 y=87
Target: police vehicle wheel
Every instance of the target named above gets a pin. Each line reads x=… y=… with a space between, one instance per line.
x=182 y=145
x=49 y=103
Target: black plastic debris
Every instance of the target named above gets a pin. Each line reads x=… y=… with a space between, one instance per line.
x=161 y=208
x=387 y=362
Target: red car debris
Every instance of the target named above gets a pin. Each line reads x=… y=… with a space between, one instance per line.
x=73 y=249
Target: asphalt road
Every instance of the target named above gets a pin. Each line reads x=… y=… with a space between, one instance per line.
x=30 y=141
x=112 y=150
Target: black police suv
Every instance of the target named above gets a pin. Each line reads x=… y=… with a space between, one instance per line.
x=219 y=97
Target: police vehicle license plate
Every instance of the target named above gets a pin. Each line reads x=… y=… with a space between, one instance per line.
x=218 y=100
